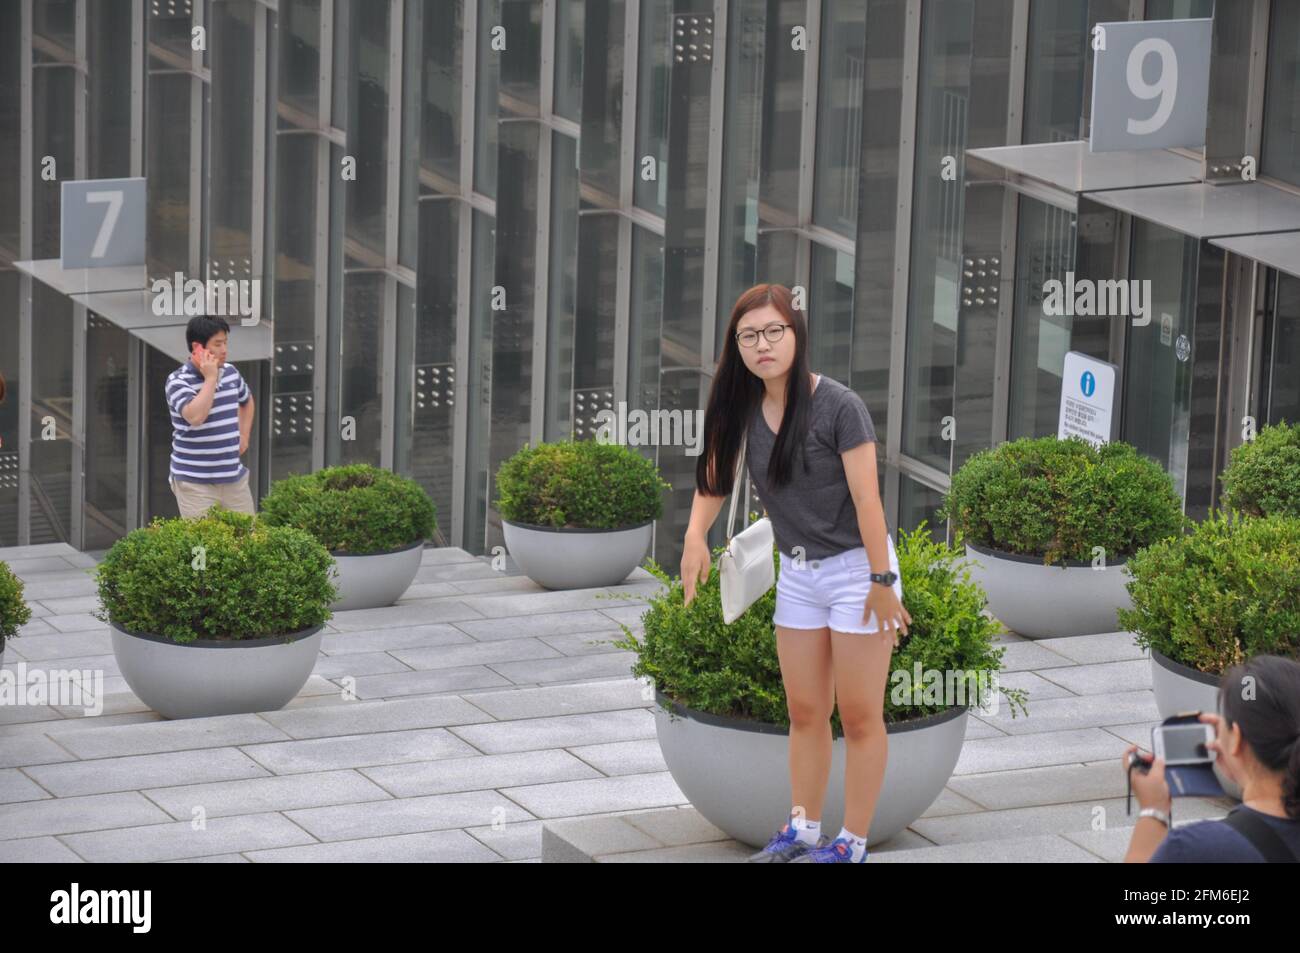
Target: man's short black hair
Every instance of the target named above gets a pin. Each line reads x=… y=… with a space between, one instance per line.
x=202 y=328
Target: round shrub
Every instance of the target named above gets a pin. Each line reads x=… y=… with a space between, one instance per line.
x=1263 y=476
x=1057 y=499
x=1227 y=591
x=733 y=670
x=222 y=576
x=580 y=484
x=355 y=510
x=14 y=611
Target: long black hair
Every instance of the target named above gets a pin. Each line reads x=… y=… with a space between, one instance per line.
x=1270 y=720
x=737 y=394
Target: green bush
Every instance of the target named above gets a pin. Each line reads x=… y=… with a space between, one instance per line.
x=355 y=510
x=1263 y=476
x=222 y=576
x=14 y=612
x=1057 y=499
x=1227 y=591
x=580 y=484
x=733 y=670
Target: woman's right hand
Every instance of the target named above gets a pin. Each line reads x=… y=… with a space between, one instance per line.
x=696 y=564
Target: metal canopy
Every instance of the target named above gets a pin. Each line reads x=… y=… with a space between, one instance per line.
x=1209 y=211
x=252 y=343
x=72 y=281
x=1280 y=250
x=1069 y=166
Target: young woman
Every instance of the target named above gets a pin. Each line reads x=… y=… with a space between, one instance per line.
x=811 y=454
x=1258 y=746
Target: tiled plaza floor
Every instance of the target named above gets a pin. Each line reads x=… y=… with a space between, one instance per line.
x=452 y=726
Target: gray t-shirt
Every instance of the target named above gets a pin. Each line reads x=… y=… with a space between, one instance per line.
x=815 y=509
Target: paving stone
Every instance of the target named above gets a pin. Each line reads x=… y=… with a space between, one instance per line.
x=1028 y=751
x=567 y=668
x=631 y=616
x=950 y=802
x=179 y=735
x=408 y=815
x=37 y=626
x=520 y=841
x=1109 y=845
x=1074 y=712
x=549 y=623
x=434 y=847
x=447 y=573
x=578 y=840
x=442 y=555
x=32 y=550
x=178 y=839
x=1038 y=686
x=214 y=859
x=426 y=682
x=16 y=786
x=1135 y=734
x=1054 y=784
x=362 y=620
x=515 y=583
x=721 y=852
x=479 y=772
x=75 y=622
x=21 y=750
x=517 y=703
x=622 y=757
x=60 y=585
x=106 y=775
x=676 y=828
x=532 y=734
x=356 y=717
x=585 y=643
x=630 y=792
x=356 y=664
x=25 y=714
x=1030 y=655
x=25 y=569
x=474 y=653
x=64 y=815
x=537 y=603
x=61 y=645
x=55 y=727
x=260 y=794
x=356 y=751
x=1102 y=647
x=1104 y=678
x=37 y=850
x=1043 y=849
x=70 y=605
x=384 y=640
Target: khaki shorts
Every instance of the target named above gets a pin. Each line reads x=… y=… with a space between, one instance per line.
x=193 y=499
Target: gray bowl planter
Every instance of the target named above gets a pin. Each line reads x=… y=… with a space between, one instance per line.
x=374 y=579
x=1043 y=602
x=215 y=676
x=736 y=772
x=1179 y=688
x=569 y=558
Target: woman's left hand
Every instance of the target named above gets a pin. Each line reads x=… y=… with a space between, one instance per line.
x=1149 y=787
x=891 y=616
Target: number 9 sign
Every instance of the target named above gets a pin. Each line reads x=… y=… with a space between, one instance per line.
x=1150 y=84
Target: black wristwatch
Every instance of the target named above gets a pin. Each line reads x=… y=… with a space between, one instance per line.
x=885 y=578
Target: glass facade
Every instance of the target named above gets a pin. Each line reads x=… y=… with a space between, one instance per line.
x=479 y=223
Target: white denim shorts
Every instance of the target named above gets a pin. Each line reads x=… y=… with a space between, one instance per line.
x=831 y=591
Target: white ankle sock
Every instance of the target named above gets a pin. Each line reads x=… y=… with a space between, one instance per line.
x=859 y=844
x=806 y=831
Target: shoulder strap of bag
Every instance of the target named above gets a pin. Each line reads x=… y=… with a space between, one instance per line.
x=736 y=487
x=1265 y=840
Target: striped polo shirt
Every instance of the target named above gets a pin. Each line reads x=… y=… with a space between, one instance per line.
x=208 y=453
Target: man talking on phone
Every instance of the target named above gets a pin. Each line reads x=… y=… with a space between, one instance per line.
x=212 y=416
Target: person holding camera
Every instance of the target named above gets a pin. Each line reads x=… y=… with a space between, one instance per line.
x=1257 y=745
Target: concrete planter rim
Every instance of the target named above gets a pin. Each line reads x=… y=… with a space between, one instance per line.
x=768 y=728
x=576 y=529
x=260 y=642
x=1038 y=560
x=344 y=554
x=1186 y=671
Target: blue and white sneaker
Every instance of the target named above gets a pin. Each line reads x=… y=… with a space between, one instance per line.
x=784 y=847
x=838 y=851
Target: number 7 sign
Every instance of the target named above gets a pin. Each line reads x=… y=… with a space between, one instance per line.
x=102 y=223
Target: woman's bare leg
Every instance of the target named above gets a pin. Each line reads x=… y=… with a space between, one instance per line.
x=805 y=656
x=861 y=667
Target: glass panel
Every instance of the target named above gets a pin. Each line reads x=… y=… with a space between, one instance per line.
x=1045 y=252
x=602 y=101
x=11 y=157
x=1282 y=352
x=440 y=101
x=917 y=502
x=10 y=411
x=839 y=115
x=231 y=142
x=593 y=346
x=53 y=134
x=646 y=316
x=1059 y=43
x=738 y=241
x=479 y=412
x=782 y=112
x=168 y=182
x=653 y=50
x=521 y=59
x=360 y=369
x=562 y=291
x=107 y=373
x=367 y=128
x=830 y=313
x=169 y=26
x=51 y=420
x=1157 y=368
x=1179 y=9
x=568 y=59
x=299 y=89
x=1281 y=151
x=160 y=501
x=108 y=91
x=486 y=101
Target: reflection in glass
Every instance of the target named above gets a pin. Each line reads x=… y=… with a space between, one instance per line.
x=562 y=290
x=568 y=58
x=479 y=389
x=1280 y=378
x=1058 y=49
x=50 y=451
x=918 y=502
x=830 y=312
x=839 y=115
x=360 y=357
x=652 y=104
x=440 y=99
x=1281 y=151
x=104 y=512
x=299 y=89
x=521 y=58
x=488 y=65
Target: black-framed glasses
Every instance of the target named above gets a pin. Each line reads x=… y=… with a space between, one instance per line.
x=773 y=332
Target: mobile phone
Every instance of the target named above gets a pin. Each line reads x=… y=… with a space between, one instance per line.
x=1183 y=744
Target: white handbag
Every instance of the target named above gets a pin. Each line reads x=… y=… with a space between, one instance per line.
x=745 y=569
